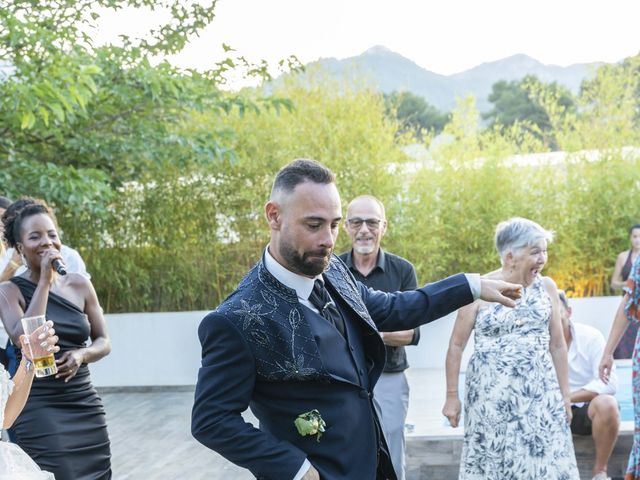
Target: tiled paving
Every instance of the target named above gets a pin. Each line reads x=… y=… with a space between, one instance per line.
x=151 y=439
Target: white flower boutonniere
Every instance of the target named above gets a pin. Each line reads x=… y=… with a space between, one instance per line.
x=310 y=423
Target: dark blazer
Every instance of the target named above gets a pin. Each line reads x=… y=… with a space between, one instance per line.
x=262 y=348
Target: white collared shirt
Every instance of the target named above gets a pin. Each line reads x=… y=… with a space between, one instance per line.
x=301 y=284
x=303 y=287
x=584 y=355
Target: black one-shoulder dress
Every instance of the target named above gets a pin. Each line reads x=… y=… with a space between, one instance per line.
x=62 y=426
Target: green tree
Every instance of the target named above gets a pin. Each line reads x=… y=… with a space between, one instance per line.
x=514 y=103
x=607 y=110
x=79 y=120
x=415 y=114
x=199 y=230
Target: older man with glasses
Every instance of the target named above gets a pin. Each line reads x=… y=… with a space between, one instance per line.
x=366 y=224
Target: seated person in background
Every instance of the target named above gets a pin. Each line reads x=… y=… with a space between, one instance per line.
x=595 y=409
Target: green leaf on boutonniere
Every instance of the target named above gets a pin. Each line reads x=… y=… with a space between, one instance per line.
x=310 y=423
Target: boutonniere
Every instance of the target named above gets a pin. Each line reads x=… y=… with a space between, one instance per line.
x=310 y=423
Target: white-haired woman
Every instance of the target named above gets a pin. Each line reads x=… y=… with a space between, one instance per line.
x=517 y=409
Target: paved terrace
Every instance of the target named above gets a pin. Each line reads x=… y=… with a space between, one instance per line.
x=150 y=437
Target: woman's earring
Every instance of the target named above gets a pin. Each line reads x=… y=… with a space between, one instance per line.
x=24 y=261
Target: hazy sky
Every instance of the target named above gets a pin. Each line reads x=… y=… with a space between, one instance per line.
x=446 y=36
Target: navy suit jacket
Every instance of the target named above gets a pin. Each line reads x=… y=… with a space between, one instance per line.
x=262 y=348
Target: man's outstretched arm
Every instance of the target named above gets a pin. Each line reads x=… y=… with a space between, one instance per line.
x=405 y=310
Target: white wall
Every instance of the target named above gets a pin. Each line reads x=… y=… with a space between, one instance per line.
x=151 y=349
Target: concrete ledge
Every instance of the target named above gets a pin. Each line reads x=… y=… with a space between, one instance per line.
x=438 y=457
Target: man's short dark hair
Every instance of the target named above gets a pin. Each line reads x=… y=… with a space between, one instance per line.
x=633 y=227
x=300 y=171
x=4 y=202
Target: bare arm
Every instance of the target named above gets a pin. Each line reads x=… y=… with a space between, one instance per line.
x=22 y=381
x=10 y=268
x=23 y=378
x=11 y=310
x=616 y=279
x=70 y=361
x=403 y=338
x=400 y=338
x=459 y=337
x=12 y=302
x=558 y=346
x=620 y=324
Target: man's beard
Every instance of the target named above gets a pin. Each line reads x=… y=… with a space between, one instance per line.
x=309 y=264
x=367 y=249
x=364 y=250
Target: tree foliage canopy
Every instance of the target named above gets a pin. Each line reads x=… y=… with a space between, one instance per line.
x=415 y=114
x=80 y=120
x=159 y=176
x=513 y=102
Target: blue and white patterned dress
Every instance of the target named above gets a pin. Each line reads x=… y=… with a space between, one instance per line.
x=632 y=311
x=515 y=421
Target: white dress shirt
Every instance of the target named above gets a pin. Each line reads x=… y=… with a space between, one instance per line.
x=584 y=355
x=303 y=287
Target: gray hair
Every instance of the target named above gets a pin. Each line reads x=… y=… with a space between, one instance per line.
x=517 y=233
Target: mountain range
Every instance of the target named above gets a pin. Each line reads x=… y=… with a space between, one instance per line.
x=388 y=71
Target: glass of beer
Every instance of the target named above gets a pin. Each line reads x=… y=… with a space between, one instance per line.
x=43 y=361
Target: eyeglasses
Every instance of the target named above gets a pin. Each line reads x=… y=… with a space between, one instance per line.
x=372 y=223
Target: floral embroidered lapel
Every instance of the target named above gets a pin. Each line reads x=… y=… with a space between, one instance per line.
x=273 y=322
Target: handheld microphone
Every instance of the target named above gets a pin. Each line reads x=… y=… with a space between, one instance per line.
x=59 y=267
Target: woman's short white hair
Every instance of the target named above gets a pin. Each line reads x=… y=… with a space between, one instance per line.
x=517 y=233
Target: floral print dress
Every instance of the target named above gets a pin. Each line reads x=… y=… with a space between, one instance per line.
x=632 y=310
x=515 y=423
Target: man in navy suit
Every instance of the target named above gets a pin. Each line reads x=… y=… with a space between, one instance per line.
x=300 y=334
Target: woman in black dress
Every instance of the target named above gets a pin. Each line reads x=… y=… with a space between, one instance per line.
x=63 y=426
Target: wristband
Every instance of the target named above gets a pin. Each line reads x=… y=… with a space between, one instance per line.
x=28 y=365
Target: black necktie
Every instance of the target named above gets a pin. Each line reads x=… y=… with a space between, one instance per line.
x=320 y=299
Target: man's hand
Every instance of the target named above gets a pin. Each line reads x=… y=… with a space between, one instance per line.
x=312 y=474
x=500 y=291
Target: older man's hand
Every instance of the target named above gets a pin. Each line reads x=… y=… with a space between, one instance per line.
x=500 y=291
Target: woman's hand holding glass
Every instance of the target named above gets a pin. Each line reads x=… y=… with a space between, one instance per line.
x=43 y=341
